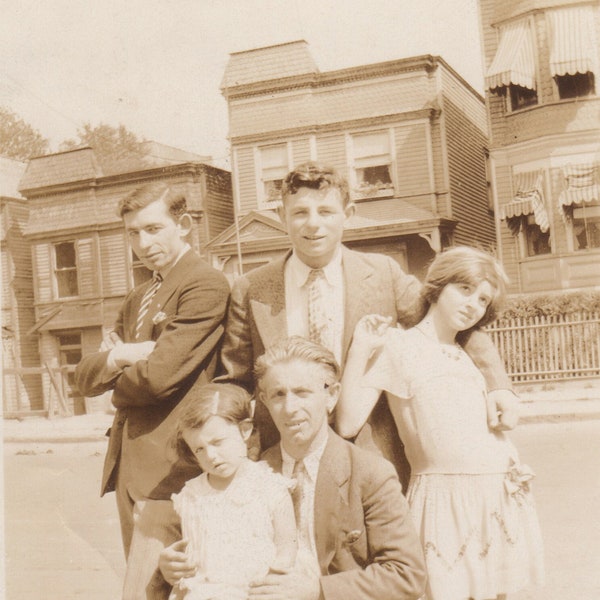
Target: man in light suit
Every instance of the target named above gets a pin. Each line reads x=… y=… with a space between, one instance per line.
x=270 y=303
x=165 y=340
x=355 y=536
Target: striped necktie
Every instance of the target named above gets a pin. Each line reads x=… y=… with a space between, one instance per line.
x=299 y=475
x=145 y=303
x=318 y=324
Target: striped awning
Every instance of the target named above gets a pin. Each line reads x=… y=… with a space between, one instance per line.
x=572 y=38
x=529 y=199
x=514 y=62
x=582 y=184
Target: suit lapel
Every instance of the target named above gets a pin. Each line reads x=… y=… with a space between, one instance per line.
x=267 y=302
x=163 y=294
x=358 y=294
x=331 y=497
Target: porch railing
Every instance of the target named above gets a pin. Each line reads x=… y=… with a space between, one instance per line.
x=550 y=348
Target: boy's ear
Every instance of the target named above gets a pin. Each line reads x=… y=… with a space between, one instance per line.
x=246 y=426
x=185 y=224
x=349 y=210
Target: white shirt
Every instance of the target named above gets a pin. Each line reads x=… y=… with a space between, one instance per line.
x=296 y=298
x=307 y=556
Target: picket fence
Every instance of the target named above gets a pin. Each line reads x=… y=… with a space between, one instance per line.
x=553 y=348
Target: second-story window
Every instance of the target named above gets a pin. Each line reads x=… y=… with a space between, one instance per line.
x=65 y=271
x=573 y=50
x=372 y=165
x=512 y=73
x=274 y=166
x=575 y=86
x=140 y=272
x=522 y=97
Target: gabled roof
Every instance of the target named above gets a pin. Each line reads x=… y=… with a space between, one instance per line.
x=63 y=167
x=272 y=62
x=390 y=215
x=255 y=225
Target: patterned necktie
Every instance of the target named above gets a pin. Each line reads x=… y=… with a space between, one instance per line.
x=145 y=303
x=318 y=324
x=298 y=492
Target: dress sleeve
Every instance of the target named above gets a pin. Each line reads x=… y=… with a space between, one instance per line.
x=388 y=369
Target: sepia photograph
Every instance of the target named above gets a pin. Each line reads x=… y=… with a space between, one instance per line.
x=300 y=300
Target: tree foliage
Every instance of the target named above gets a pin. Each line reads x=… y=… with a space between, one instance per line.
x=18 y=139
x=117 y=148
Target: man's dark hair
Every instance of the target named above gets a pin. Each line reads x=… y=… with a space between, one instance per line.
x=315 y=176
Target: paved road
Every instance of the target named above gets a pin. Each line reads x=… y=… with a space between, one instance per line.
x=62 y=541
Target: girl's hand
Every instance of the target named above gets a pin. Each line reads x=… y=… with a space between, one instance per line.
x=370 y=332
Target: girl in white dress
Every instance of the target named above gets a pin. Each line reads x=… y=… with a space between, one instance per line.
x=470 y=496
x=237 y=516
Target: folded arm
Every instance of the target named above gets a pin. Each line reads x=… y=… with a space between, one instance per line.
x=182 y=348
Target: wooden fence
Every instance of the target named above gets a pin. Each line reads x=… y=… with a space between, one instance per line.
x=551 y=348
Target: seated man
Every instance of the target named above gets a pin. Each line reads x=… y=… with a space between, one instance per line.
x=356 y=539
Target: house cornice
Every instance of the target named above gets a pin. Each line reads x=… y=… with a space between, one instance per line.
x=430 y=112
x=426 y=63
x=118 y=179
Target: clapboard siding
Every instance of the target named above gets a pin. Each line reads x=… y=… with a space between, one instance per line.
x=412 y=163
x=246 y=173
x=300 y=151
x=331 y=150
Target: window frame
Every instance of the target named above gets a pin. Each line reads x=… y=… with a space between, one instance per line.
x=557 y=88
x=583 y=207
x=371 y=192
x=270 y=201
x=57 y=271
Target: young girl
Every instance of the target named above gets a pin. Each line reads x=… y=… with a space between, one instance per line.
x=469 y=494
x=237 y=516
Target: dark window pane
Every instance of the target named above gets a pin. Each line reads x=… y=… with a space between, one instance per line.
x=67 y=283
x=521 y=97
x=575 y=86
x=538 y=242
x=65 y=255
x=378 y=176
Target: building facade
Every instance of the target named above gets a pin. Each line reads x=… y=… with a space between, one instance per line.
x=410 y=136
x=21 y=390
x=543 y=76
x=82 y=263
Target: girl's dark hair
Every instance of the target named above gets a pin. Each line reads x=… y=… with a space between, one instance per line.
x=225 y=400
x=464 y=264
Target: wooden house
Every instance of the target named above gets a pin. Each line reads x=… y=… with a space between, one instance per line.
x=542 y=61
x=82 y=263
x=410 y=136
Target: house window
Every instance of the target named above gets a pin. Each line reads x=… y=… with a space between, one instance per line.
x=140 y=272
x=69 y=355
x=537 y=241
x=575 y=86
x=586 y=226
x=522 y=97
x=274 y=166
x=65 y=255
x=372 y=163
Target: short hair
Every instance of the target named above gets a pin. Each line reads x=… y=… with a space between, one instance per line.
x=463 y=264
x=150 y=192
x=315 y=176
x=296 y=348
x=225 y=400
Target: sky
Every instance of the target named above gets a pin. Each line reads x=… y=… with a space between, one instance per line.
x=155 y=66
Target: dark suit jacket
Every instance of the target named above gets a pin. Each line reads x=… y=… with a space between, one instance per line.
x=366 y=542
x=193 y=301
